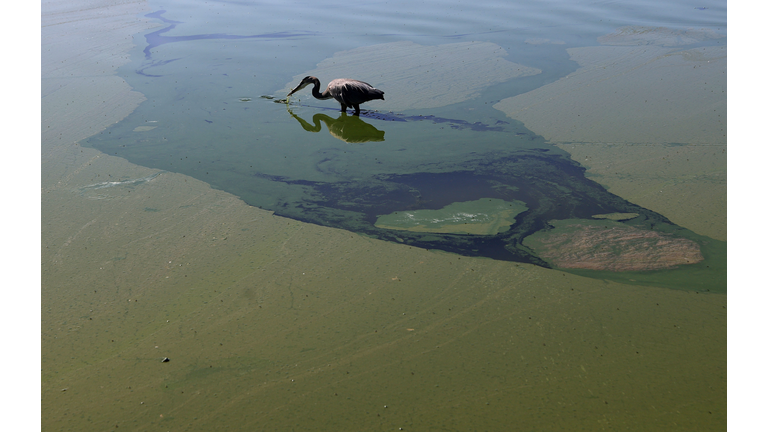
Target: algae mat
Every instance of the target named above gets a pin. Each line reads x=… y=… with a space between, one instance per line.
x=399 y=163
x=271 y=324
x=650 y=120
x=486 y=216
x=367 y=188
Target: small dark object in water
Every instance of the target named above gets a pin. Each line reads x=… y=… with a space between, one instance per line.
x=166 y=359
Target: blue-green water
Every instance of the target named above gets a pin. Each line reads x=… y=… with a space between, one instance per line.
x=206 y=71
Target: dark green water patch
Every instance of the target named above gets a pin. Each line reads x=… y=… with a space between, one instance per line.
x=204 y=118
x=270 y=160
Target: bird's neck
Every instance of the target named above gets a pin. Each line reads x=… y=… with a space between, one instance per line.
x=316 y=91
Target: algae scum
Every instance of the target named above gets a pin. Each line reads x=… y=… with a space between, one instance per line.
x=461 y=178
x=499 y=192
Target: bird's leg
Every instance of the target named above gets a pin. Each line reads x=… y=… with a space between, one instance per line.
x=343 y=108
x=357 y=109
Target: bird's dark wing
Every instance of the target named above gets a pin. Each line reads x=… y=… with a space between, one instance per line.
x=353 y=92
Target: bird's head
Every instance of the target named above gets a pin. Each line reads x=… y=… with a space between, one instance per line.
x=305 y=82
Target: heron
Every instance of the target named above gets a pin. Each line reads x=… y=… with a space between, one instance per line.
x=348 y=92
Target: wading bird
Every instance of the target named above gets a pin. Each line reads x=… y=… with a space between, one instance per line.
x=348 y=92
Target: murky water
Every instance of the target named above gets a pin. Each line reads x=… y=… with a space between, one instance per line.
x=581 y=136
x=214 y=73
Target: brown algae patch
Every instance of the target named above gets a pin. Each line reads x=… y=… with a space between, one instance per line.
x=612 y=246
x=486 y=216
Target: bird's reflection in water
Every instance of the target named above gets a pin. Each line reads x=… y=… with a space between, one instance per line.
x=347 y=128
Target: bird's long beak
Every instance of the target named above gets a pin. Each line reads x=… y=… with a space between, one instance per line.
x=298 y=87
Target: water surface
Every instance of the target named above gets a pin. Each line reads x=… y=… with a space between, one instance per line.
x=274 y=324
x=214 y=72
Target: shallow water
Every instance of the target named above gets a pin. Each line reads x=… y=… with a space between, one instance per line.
x=214 y=72
x=272 y=324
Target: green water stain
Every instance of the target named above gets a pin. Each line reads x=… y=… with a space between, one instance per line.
x=485 y=216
